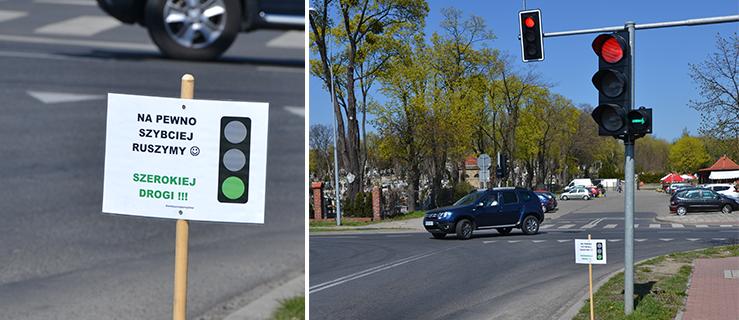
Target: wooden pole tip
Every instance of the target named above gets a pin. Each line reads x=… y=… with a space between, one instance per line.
x=188 y=77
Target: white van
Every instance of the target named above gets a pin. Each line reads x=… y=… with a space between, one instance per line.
x=578 y=182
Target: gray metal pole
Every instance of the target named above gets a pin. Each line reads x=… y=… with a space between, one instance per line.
x=629 y=196
x=336 y=145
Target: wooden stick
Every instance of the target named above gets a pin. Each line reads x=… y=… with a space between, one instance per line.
x=590 y=266
x=183 y=235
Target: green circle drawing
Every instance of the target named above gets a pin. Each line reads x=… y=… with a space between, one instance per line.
x=233 y=188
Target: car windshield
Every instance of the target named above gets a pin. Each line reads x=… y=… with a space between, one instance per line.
x=468 y=199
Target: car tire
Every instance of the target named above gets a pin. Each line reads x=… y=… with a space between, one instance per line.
x=726 y=209
x=565 y=198
x=681 y=210
x=439 y=235
x=585 y=198
x=193 y=33
x=504 y=231
x=464 y=229
x=530 y=225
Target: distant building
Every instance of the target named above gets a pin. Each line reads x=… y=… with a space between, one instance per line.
x=723 y=171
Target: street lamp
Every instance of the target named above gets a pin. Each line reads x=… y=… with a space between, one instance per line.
x=313 y=14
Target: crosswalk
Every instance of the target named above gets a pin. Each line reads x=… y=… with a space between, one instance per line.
x=92 y=25
x=595 y=224
x=718 y=240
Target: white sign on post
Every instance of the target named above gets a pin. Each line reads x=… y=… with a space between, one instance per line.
x=590 y=251
x=185 y=159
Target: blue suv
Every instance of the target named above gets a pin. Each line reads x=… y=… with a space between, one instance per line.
x=498 y=208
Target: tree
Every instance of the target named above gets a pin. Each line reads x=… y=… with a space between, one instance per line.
x=718 y=79
x=320 y=144
x=688 y=155
x=363 y=25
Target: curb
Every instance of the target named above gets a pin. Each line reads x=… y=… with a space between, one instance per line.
x=262 y=308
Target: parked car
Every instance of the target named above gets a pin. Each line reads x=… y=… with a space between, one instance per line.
x=594 y=192
x=546 y=203
x=725 y=189
x=498 y=208
x=673 y=187
x=549 y=195
x=701 y=199
x=203 y=30
x=576 y=193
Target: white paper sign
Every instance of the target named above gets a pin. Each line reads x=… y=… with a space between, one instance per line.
x=590 y=251
x=185 y=159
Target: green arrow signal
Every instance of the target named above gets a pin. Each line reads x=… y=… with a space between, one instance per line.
x=638 y=121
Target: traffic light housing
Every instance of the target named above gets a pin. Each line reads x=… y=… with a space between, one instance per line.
x=612 y=82
x=640 y=121
x=532 y=35
x=233 y=164
x=501 y=170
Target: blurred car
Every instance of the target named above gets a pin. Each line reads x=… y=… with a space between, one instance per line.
x=546 y=203
x=725 y=189
x=576 y=193
x=673 y=187
x=594 y=192
x=501 y=209
x=203 y=30
x=549 y=195
x=701 y=199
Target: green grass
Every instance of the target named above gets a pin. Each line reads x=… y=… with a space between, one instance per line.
x=659 y=287
x=290 y=309
x=331 y=225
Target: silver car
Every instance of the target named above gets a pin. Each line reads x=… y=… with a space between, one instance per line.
x=576 y=193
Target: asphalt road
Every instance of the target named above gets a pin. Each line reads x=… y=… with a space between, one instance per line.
x=410 y=275
x=60 y=257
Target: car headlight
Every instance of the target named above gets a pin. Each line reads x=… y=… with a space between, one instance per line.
x=445 y=215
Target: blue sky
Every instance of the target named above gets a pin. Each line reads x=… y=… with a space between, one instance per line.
x=662 y=55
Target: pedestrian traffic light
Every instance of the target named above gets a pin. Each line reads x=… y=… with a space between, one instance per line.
x=612 y=82
x=501 y=170
x=640 y=121
x=233 y=167
x=532 y=36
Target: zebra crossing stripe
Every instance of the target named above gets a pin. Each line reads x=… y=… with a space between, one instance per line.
x=566 y=226
x=701 y=225
x=609 y=226
x=692 y=239
x=80 y=26
x=655 y=226
x=677 y=225
x=667 y=239
x=7 y=15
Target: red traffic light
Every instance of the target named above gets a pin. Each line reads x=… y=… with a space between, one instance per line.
x=530 y=22
x=610 y=47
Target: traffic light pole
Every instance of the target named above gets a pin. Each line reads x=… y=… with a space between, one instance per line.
x=629 y=195
x=629 y=139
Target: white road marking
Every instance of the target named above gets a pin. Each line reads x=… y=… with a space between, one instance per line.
x=83 y=43
x=59 y=97
x=298 y=111
x=567 y=226
x=677 y=225
x=610 y=226
x=655 y=226
x=292 y=39
x=7 y=15
x=80 y=26
x=72 y=2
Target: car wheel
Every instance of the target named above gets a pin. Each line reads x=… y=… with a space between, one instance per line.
x=439 y=235
x=504 y=230
x=530 y=225
x=585 y=198
x=681 y=210
x=726 y=208
x=565 y=198
x=464 y=229
x=193 y=30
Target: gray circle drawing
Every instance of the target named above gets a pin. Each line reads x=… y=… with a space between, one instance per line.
x=234 y=160
x=235 y=132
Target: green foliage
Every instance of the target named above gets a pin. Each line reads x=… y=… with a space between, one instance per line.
x=361 y=207
x=688 y=155
x=651 y=177
x=290 y=309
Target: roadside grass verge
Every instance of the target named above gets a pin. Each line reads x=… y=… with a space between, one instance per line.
x=290 y=309
x=320 y=226
x=660 y=286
